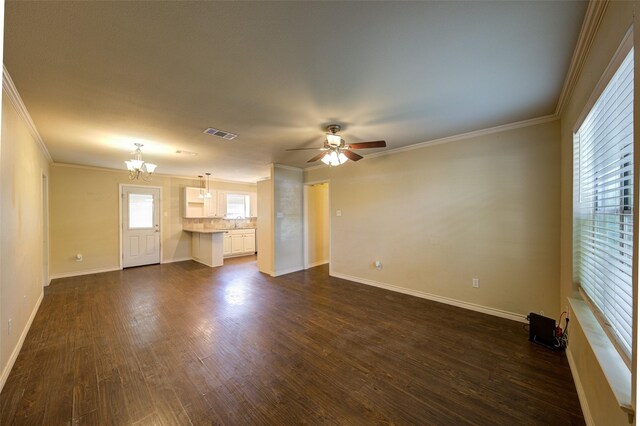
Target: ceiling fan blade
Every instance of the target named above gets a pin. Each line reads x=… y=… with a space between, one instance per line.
x=316 y=158
x=363 y=145
x=352 y=155
x=300 y=149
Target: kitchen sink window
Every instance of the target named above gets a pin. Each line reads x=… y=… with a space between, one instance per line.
x=238 y=206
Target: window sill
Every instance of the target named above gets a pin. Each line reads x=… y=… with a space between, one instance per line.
x=615 y=370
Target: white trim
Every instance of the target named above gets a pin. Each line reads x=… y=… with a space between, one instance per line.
x=176 y=259
x=191 y=178
x=9 y=88
x=16 y=350
x=469 y=135
x=582 y=397
x=282 y=166
x=120 y=196
x=590 y=23
x=612 y=67
x=459 y=303
x=287 y=271
x=613 y=366
x=84 y=272
x=314 y=264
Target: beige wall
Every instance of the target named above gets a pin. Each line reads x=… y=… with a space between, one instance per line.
x=265 y=226
x=617 y=20
x=439 y=216
x=85 y=217
x=21 y=231
x=287 y=229
x=317 y=224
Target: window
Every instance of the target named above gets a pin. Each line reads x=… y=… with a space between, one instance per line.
x=603 y=203
x=140 y=211
x=238 y=205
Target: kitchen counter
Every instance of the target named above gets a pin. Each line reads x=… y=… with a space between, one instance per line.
x=204 y=230
x=213 y=230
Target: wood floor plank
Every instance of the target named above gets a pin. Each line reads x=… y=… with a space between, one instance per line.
x=182 y=343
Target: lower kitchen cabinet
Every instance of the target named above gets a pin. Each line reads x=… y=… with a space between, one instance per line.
x=240 y=242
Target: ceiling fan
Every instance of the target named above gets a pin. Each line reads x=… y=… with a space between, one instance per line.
x=335 y=151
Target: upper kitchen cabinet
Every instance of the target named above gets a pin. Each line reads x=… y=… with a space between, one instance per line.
x=197 y=205
x=193 y=204
x=226 y=204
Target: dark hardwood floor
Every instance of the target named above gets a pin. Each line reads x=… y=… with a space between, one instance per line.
x=186 y=344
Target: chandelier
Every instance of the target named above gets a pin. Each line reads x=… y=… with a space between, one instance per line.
x=138 y=168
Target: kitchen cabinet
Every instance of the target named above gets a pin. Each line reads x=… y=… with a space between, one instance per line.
x=249 y=242
x=227 y=244
x=193 y=204
x=211 y=204
x=237 y=243
x=240 y=242
x=197 y=207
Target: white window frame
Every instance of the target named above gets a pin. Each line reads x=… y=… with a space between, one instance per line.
x=614 y=65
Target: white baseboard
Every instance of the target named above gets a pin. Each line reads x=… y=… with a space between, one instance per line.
x=582 y=397
x=16 y=350
x=85 y=272
x=314 y=264
x=287 y=271
x=459 y=303
x=177 y=259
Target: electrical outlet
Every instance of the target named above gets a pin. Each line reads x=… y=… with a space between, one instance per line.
x=338 y=213
x=475 y=283
x=378 y=265
x=9 y=327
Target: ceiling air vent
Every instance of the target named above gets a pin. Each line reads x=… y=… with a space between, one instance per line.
x=220 y=133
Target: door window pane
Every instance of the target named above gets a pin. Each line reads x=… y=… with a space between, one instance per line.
x=140 y=211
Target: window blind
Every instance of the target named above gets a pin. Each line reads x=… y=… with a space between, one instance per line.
x=603 y=203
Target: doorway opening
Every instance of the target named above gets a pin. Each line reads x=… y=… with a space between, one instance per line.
x=317 y=224
x=140 y=229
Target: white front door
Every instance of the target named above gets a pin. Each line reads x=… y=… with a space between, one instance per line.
x=140 y=226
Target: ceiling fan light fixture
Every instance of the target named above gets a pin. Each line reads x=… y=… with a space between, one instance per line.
x=334 y=158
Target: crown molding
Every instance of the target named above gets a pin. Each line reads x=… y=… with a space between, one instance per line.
x=590 y=25
x=468 y=135
x=282 y=166
x=106 y=169
x=9 y=89
x=319 y=166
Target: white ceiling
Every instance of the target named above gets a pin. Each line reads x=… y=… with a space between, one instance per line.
x=97 y=76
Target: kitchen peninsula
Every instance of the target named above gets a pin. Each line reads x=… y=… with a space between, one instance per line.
x=207 y=245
